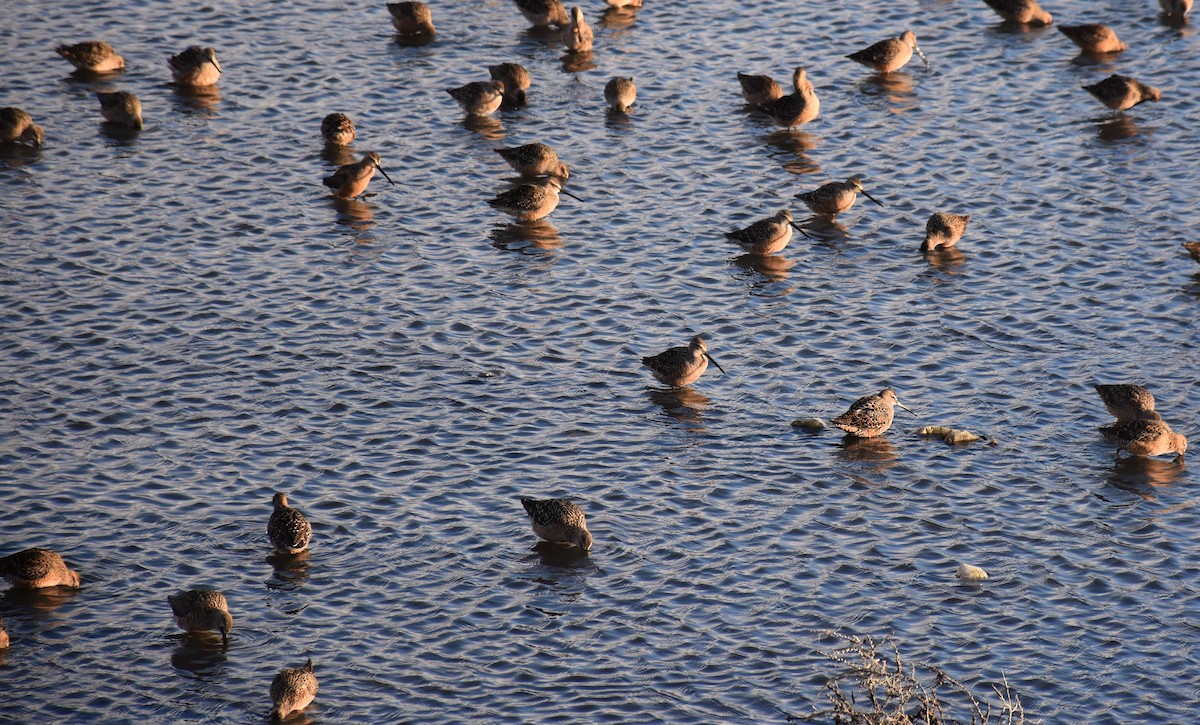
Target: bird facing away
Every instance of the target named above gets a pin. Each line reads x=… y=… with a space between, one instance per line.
x=292 y=690
x=1128 y=402
x=195 y=66
x=767 y=236
x=1122 y=93
x=1176 y=8
x=17 y=126
x=288 y=530
x=680 y=366
x=411 y=18
x=516 y=80
x=36 y=569
x=351 y=180
x=835 y=197
x=757 y=90
x=1025 y=12
x=199 y=610
x=970 y=573
x=558 y=521
x=479 y=98
x=578 y=36
x=530 y=202
x=338 y=129
x=122 y=108
x=889 y=55
x=3 y=635
x=944 y=230
x=870 y=415
x=798 y=107
x=94 y=56
x=543 y=13
x=535 y=159
x=1145 y=438
x=1093 y=38
x=620 y=93
x=1193 y=249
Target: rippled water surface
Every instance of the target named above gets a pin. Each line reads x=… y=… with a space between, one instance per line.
x=191 y=323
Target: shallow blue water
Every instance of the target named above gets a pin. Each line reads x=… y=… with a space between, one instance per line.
x=191 y=323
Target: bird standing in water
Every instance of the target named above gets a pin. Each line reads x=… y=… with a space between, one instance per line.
x=680 y=366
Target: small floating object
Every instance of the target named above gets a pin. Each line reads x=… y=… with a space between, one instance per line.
x=1093 y=38
x=809 y=424
x=479 y=98
x=944 y=230
x=36 y=569
x=835 y=197
x=680 y=366
x=195 y=66
x=94 y=56
x=1122 y=93
x=1025 y=12
x=620 y=93
x=891 y=54
x=970 y=573
x=122 y=108
x=199 y=610
x=578 y=36
x=558 y=521
x=18 y=126
x=870 y=415
x=292 y=690
x=951 y=435
x=338 y=129
x=351 y=180
x=412 y=18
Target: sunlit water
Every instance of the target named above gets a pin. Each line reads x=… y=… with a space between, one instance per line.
x=190 y=323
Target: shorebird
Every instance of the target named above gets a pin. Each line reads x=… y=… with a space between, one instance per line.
x=479 y=98
x=195 y=66
x=680 y=366
x=1122 y=93
x=351 y=180
x=199 y=610
x=1025 y=12
x=535 y=159
x=338 y=129
x=1128 y=402
x=870 y=415
x=1145 y=438
x=835 y=197
x=530 y=202
x=292 y=690
x=516 y=80
x=944 y=230
x=620 y=94
x=891 y=54
x=1193 y=249
x=798 y=107
x=543 y=13
x=94 y=56
x=288 y=530
x=411 y=18
x=578 y=36
x=757 y=90
x=121 y=107
x=970 y=573
x=16 y=125
x=767 y=236
x=558 y=521
x=36 y=569
x=1093 y=38
x=1176 y=8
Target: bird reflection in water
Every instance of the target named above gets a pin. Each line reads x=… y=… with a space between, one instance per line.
x=683 y=404
x=357 y=216
x=1120 y=128
x=896 y=87
x=773 y=267
x=201 y=653
x=42 y=601
x=1140 y=476
x=796 y=143
x=947 y=260
x=562 y=556
x=878 y=450
x=199 y=100
x=826 y=229
x=521 y=236
x=487 y=126
x=578 y=62
x=338 y=155
x=618 y=19
x=291 y=570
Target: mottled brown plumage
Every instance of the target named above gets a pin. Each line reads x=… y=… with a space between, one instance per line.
x=1093 y=38
x=578 y=35
x=1145 y=438
x=1128 y=402
x=1122 y=93
x=870 y=415
x=351 y=180
x=94 y=56
x=757 y=90
x=835 y=197
x=543 y=13
x=516 y=80
x=535 y=159
x=680 y=366
x=1025 y=12
x=195 y=66
x=620 y=93
x=411 y=18
x=558 y=521
x=479 y=98
x=889 y=55
x=798 y=107
x=122 y=108
x=944 y=230
x=530 y=202
x=767 y=236
x=287 y=529
x=199 y=610
x=292 y=690
x=18 y=126
x=37 y=568
x=338 y=129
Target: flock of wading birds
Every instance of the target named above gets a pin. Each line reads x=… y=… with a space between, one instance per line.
x=1138 y=429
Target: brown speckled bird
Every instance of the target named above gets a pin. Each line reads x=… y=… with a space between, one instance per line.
x=767 y=236
x=479 y=98
x=288 y=530
x=558 y=521
x=530 y=202
x=36 y=569
x=543 y=13
x=516 y=80
x=18 y=126
x=757 y=90
x=411 y=18
x=122 y=108
x=338 y=129
x=578 y=35
x=889 y=55
x=1093 y=38
x=835 y=197
x=620 y=93
x=199 y=610
x=195 y=66
x=535 y=159
x=798 y=107
x=680 y=366
x=1128 y=402
x=1145 y=438
x=944 y=230
x=1025 y=12
x=93 y=56
x=351 y=180
x=1122 y=93
x=292 y=690
x=870 y=415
